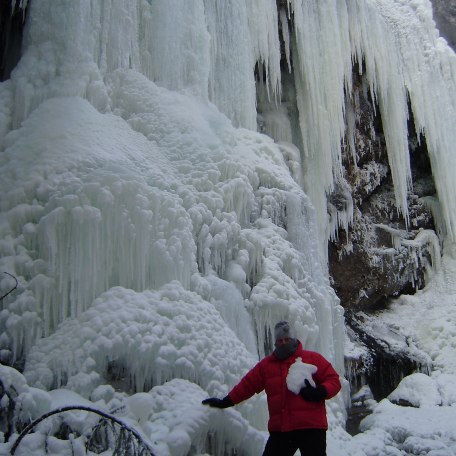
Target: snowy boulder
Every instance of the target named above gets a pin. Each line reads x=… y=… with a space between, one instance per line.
x=447 y=388
x=10 y=377
x=178 y=424
x=30 y=402
x=416 y=390
x=298 y=373
x=154 y=335
x=140 y=405
x=425 y=445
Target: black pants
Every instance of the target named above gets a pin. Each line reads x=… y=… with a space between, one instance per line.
x=311 y=442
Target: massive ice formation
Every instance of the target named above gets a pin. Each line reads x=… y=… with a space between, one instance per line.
x=147 y=221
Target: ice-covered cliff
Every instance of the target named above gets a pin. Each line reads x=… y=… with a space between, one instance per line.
x=168 y=174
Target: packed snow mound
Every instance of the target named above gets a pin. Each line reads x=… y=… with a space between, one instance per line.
x=179 y=421
x=150 y=337
x=428 y=318
x=169 y=418
x=447 y=387
x=298 y=373
x=12 y=378
x=418 y=390
x=395 y=430
x=30 y=402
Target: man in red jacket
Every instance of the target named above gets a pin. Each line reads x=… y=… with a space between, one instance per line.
x=295 y=420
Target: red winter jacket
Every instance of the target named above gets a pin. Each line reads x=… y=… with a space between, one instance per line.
x=288 y=411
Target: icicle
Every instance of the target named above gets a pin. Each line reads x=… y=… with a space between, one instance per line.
x=265 y=45
x=231 y=77
x=425 y=240
x=283 y=16
x=21 y=4
x=321 y=54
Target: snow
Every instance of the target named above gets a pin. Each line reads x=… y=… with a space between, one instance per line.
x=121 y=322
x=157 y=237
x=419 y=390
x=425 y=424
x=298 y=373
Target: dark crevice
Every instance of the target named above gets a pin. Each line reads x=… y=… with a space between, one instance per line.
x=12 y=21
x=382 y=370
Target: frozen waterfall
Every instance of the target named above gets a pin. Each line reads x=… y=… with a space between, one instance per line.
x=154 y=232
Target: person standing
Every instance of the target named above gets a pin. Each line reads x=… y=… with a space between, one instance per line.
x=296 y=421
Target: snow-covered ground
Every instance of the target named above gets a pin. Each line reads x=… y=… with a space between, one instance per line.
x=427 y=320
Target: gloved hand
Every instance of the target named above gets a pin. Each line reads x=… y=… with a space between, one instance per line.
x=313 y=394
x=218 y=403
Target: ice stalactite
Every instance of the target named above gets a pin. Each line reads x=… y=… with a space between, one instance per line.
x=382 y=67
x=424 y=250
x=243 y=35
x=322 y=66
x=12 y=18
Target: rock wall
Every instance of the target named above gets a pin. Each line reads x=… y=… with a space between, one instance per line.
x=445 y=19
x=372 y=261
x=368 y=264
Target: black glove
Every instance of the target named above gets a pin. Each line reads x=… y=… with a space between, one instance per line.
x=218 y=403
x=313 y=394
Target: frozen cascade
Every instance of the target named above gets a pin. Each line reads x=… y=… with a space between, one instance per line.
x=127 y=201
x=432 y=94
x=101 y=206
x=143 y=224
x=242 y=34
x=393 y=42
x=176 y=48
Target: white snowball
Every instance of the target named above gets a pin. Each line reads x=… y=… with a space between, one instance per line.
x=298 y=373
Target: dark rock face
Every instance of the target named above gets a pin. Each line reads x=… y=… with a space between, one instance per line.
x=444 y=12
x=387 y=357
x=371 y=262
x=387 y=364
x=370 y=258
